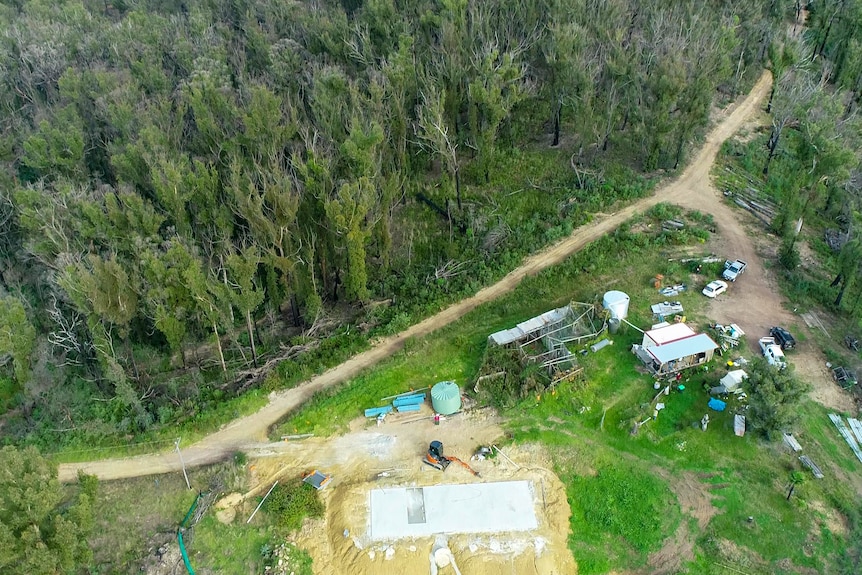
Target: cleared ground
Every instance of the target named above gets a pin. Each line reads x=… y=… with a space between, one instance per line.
x=388 y=457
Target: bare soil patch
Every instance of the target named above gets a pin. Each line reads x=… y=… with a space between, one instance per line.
x=373 y=457
x=834 y=521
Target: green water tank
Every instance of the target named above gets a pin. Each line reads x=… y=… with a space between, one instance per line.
x=446 y=397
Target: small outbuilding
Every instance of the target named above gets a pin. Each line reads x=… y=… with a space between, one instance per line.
x=666 y=333
x=671 y=348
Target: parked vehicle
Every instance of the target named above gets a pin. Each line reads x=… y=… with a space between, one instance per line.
x=783 y=338
x=714 y=288
x=733 y=269
x=772 y=352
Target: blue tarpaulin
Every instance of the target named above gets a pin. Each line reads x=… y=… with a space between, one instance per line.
x=717 y=404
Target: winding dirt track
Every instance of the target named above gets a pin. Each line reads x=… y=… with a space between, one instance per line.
x=692 y=189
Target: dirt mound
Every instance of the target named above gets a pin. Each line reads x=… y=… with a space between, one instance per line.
x=229 y=500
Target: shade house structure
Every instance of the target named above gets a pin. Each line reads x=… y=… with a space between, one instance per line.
x=547 y=338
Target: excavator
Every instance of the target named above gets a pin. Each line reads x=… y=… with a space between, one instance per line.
x=437 y=460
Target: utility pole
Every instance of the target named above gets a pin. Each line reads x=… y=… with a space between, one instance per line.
x=183 y=463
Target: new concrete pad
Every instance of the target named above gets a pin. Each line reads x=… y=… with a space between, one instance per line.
x=473 y=508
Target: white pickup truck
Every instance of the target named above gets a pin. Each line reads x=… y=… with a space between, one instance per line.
x=733 y=269
x=772 y=352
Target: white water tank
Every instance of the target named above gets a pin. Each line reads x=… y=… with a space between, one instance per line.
x=617 y=303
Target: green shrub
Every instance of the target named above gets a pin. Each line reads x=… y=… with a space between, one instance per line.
x=664 y=211
x=291 y=502
x=788 y=255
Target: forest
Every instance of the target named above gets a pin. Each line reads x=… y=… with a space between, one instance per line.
x=197 y=196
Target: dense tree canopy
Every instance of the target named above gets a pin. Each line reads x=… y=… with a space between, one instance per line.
x=39 y=531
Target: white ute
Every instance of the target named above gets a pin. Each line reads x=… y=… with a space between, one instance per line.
x=772 y=352
x=733 y=270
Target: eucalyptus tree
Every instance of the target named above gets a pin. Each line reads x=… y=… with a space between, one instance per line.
x=349 y=208
x=774 y=396
x=245 y=293
x=823 y=152
x=212 y=302
x=209 y=110
x=56 y=147
x=41 y=531
x=266 y=201
x=707 y=61
x=792 y=96
x=103 y=291
x=571 y=60
x=849 y=259
x=782 y=58
x=498 y=75
x=399 y=83
x=170 y=302
x=17 y=336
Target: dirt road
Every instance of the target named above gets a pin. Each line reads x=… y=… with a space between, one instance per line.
x=692 y=189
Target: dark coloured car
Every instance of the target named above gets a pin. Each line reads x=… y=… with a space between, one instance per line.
x=783 y=338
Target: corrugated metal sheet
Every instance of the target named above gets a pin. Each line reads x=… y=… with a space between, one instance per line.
x=507 y=336
x=667 y=334
x=548 y=318
x=698 y=343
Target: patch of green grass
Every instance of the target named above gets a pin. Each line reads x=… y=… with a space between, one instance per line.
x=238 y=548
x=138 y=515
x=232 y=549
x=420 y=364
x=622 y=501
x=779 y=529
x=134 y=515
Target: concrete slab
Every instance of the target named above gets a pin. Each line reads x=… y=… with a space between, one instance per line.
x=473 y=508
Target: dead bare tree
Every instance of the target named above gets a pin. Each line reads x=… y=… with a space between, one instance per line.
x=66 y=335
x=448 y=270
x=434 y=134
x=792 y=95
